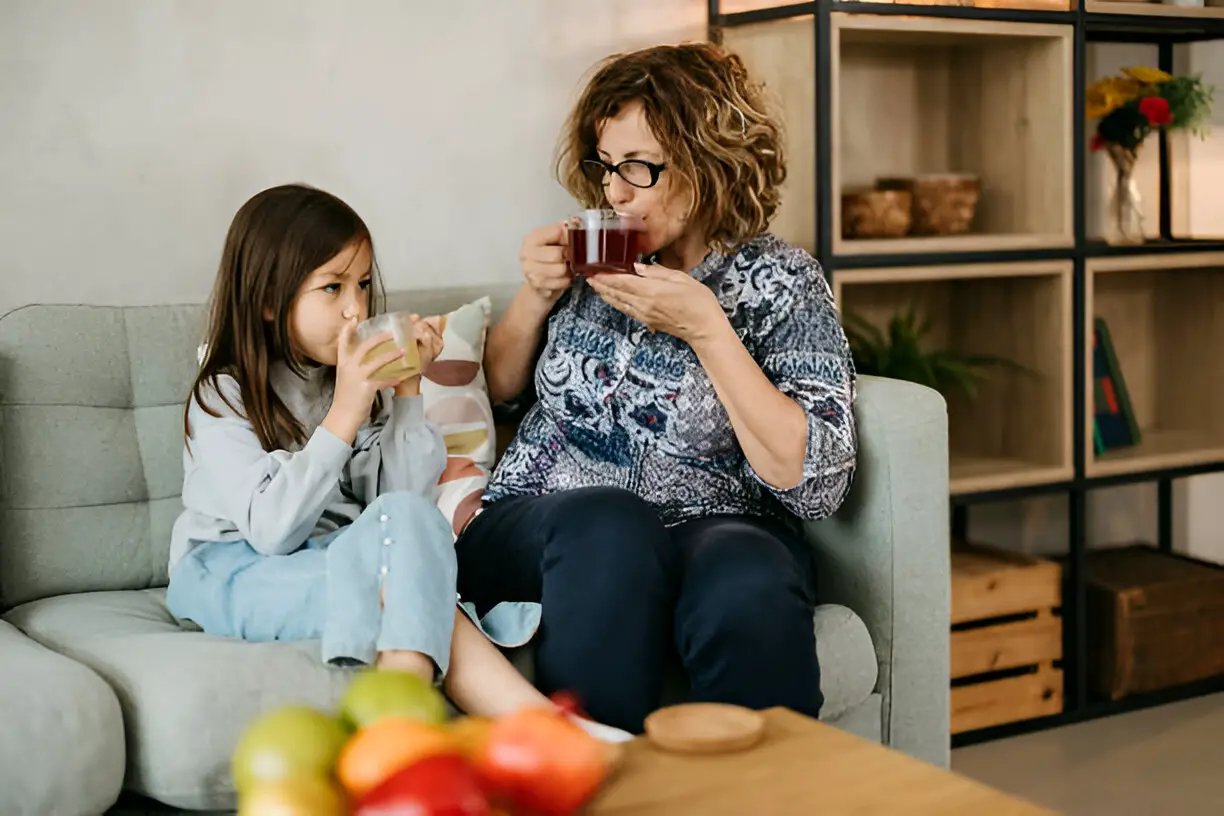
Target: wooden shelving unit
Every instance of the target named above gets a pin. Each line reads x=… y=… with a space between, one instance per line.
x=940 y=95
x=1167 y=310
x=1017 y=429
x=996 y=89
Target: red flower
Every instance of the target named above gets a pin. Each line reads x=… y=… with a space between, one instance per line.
x=1156 y=109
x=1097 y=143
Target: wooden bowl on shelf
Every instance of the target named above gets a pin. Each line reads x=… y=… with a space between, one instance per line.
x=868 y=213
x=943 y=203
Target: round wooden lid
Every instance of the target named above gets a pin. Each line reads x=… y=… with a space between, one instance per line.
x=705 y=728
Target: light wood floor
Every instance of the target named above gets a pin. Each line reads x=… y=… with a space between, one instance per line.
x=1166 y=761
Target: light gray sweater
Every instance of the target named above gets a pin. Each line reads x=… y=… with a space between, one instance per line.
x=234 y=490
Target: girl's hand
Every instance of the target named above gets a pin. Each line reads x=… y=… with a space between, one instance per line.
x=429 y=346
x=356 y=385
x=543 y=262
x=663 y=300
x=429 y=338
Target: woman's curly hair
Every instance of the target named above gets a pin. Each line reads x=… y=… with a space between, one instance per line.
x=713 y=122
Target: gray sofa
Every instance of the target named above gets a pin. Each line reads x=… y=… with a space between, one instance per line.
x=102 y=690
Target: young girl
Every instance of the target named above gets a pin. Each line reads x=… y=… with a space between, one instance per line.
x=307 y=481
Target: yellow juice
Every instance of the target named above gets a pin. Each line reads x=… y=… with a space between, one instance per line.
x=407 y=366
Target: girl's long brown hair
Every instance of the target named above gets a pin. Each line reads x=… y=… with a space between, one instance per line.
x=275 y=241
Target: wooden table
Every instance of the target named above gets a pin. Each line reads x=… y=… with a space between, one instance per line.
x=801 y=767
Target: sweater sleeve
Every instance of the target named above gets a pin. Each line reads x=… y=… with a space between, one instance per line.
x=803 y=351
x=273 y=498
x=399 y=452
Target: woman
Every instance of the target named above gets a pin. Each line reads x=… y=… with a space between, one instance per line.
x=685 y=416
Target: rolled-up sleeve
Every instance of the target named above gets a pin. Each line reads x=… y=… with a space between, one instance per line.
x=803 y=351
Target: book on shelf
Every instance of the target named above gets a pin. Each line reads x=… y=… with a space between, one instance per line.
x=1113 y=418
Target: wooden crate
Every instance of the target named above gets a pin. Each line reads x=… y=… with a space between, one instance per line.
x=1006 y=636
x=1155 y=620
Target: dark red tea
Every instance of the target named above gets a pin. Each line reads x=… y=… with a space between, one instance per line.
x=603 y=249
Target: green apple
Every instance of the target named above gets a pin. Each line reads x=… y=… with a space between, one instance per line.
x=377 y=694
x=287 y=743
x=306 y=796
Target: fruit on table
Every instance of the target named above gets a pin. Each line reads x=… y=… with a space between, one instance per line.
x=303 y=796
x=470 y=733
x=441 y=785
x=379 y=750
x=290 y=742
x=377 y=694
x=538 y=761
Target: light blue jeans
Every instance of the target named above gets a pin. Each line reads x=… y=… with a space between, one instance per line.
x=385 y=582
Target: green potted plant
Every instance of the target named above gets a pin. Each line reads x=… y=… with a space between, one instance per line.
x=898 y=353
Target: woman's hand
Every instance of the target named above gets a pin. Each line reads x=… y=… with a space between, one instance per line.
x=664 y=300
x=543 y=262
x=429 y=345
x=356 y=385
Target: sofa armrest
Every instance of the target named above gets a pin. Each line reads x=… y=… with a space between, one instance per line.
x=885 y=554
x=62 y=750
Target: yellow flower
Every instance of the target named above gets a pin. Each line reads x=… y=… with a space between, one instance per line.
x=1107 y=95
x=1148 y=76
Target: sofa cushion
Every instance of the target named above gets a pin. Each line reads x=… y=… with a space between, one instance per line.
x=62 y=750
x=848 y=668
x=186 y=696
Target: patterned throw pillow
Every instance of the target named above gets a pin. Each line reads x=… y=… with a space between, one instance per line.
x=457 y=401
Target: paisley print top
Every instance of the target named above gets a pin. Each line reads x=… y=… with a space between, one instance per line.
x=619 y=406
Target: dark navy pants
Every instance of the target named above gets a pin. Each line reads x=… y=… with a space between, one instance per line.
x=730 y=596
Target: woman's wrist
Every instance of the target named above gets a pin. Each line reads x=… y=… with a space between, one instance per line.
x=710 y=333
x=536 y=305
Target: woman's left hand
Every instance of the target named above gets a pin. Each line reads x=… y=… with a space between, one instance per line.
x=664 y=300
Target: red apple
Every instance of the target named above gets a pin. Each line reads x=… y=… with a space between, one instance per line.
x=540 y=762
x=441 y=785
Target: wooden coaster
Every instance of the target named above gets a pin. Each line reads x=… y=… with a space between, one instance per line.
x=705 y=728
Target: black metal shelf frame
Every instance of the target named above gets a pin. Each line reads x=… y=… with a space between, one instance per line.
x=1165 y=33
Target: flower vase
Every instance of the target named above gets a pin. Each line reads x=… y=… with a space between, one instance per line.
x=1125 y=204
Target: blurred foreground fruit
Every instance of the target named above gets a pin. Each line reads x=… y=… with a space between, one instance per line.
x=305 y=796
x=378 y=751
x=377 y=694
x=538 y=761
x=442 y=785
x=291 y=742
x=470 y=734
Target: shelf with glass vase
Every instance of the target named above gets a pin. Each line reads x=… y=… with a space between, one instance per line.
x=995 y=341
x=949 y=135
x=1128 y=108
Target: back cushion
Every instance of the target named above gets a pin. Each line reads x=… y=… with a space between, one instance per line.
x=90 y=445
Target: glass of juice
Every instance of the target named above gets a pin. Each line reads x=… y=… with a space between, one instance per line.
x=603 y=241
x=403 y=335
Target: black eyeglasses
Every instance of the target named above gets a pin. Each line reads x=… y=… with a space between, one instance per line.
x=637 y=172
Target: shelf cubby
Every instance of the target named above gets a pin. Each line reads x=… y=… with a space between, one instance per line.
x=1016 y=431
x=1165 y=316
x=782 y=55
x=742 y=6
x=1141 y=9
x=917 y=96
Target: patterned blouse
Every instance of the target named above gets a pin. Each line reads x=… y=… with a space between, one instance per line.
x=619 y=406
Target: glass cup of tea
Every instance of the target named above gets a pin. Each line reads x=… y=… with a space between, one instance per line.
x=403 y=336
x=603 y=241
